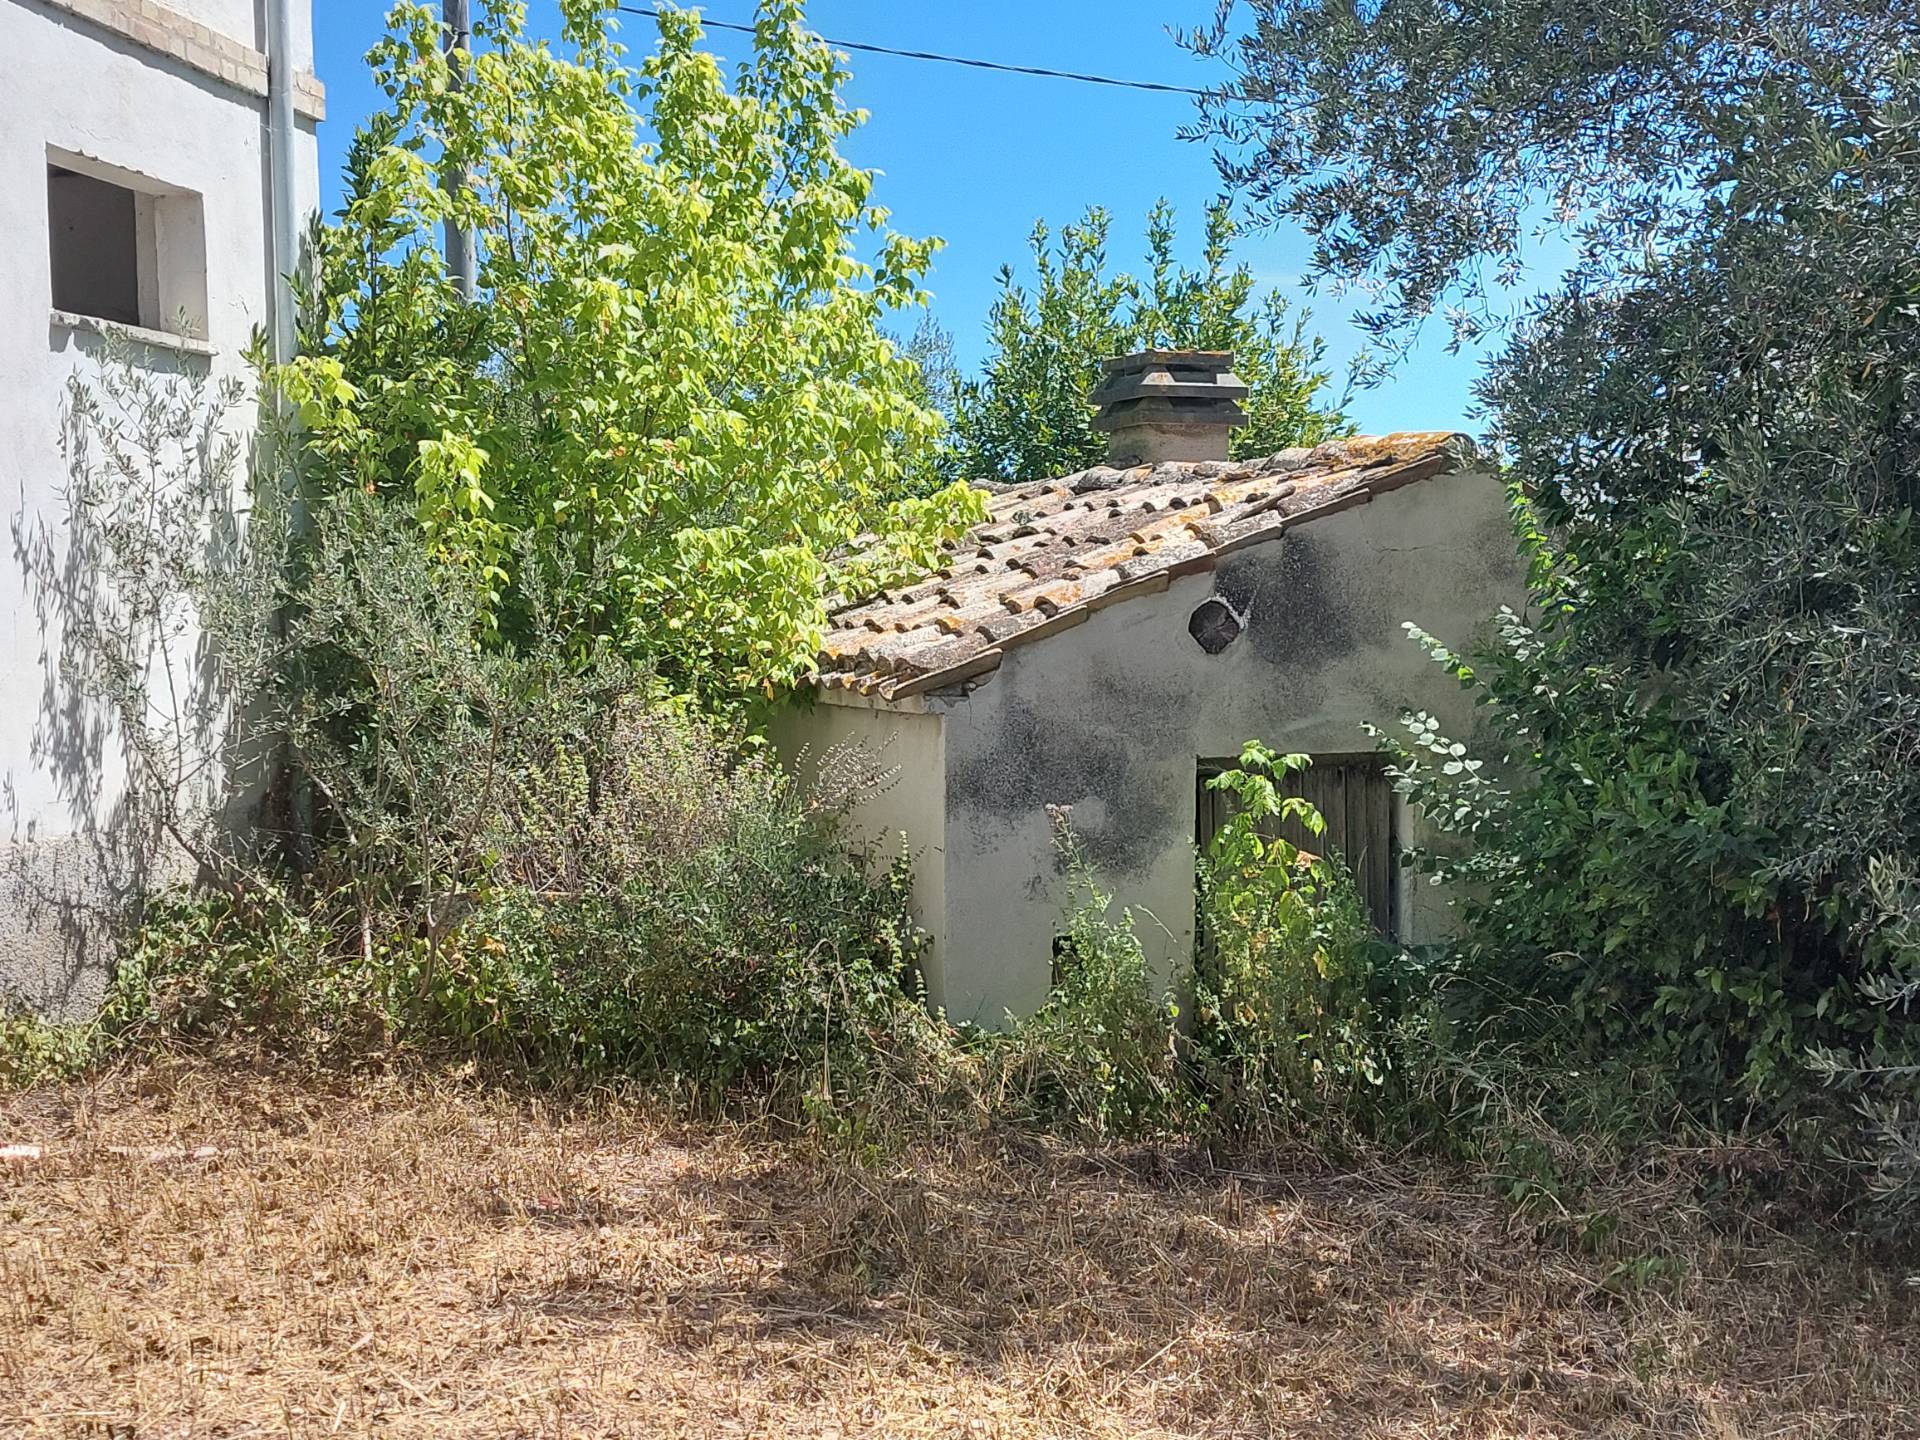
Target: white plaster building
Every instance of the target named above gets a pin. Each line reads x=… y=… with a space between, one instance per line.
x=1110 y=638
x=139 y=167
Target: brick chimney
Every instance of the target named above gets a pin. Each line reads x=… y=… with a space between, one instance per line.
x=1169 y=405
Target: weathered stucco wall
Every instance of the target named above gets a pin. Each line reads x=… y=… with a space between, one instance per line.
x=79 y=87
x=906 y=750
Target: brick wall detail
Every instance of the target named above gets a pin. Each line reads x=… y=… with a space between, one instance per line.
x=161 y=28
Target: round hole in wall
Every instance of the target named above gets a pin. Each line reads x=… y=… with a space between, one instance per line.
x=1214 y=626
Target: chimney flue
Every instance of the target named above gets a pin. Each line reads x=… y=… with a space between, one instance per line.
x=1169 y=405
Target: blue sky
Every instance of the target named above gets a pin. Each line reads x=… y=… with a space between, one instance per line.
x=976 y=157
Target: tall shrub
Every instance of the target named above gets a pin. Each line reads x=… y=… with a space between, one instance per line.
x=1288 y=1025
x=674 y=371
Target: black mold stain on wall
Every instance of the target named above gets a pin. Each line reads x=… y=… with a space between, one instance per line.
x=1304 y=611
x=1495 y=561
x=1107 y=743
x=1249 y=581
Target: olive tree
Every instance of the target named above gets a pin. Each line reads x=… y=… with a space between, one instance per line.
x=1712 y=426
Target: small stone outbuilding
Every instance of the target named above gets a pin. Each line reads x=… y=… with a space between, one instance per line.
x=1109 y=639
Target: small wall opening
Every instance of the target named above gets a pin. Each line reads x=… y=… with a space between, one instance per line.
x=124 y=248
x=1214 y=625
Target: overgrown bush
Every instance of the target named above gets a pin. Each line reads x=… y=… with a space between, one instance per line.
x=659 y=908
x=1610 y=880
x=1295 y=1012
x=1630 y=968
x=1101 y=1053
x=671 y=907
x=655 y=908
x=1289 y=1027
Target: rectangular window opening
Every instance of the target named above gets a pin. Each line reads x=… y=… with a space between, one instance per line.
x=130 y=253
x=97 y=239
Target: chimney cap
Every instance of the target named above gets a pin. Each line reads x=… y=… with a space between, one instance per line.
x=1177 y=405
x=1198 y=359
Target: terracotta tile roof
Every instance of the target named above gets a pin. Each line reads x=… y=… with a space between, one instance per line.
x=1054 y=551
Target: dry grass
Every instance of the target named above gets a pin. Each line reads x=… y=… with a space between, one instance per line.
x=412 y=1258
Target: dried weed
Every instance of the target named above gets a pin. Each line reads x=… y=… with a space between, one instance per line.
x=413 y=1257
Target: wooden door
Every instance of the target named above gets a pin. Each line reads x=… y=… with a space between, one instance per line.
x=1355 y=797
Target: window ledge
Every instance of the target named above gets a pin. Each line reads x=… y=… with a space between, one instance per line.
x=137 y=334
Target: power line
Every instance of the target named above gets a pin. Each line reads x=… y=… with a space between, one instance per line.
x=1044 y=74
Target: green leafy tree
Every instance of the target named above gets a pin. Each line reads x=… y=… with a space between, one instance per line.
x=930 y=347
x=674 y=379
x=937 y=388
x=1424 y=146
x=1713 y=423
x=1029 y=415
